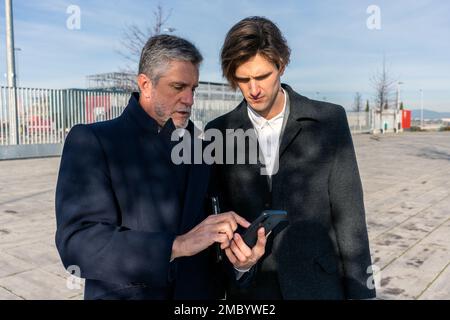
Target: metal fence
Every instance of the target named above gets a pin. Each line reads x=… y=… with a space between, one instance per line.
x=360 y=122
x=45 y=116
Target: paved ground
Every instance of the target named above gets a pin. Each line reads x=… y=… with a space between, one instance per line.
x=406 y=180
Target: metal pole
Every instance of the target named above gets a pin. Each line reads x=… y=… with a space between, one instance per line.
x=421 y=108
x=397 y=106
x=11 y=72
x=10 y=58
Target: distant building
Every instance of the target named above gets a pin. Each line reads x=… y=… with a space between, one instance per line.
x=211 y=100
x=122 y=81
x=112 y=81
x=216 y=91
x=446 y=122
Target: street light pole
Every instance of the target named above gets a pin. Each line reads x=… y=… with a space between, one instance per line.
x=10 y=57
x=11 y=75
x=421 y=109
x=397 y=106
x=399 y=94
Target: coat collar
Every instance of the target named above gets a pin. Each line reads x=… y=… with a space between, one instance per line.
x=139 y=116
x=301 y=110
x=146 y=122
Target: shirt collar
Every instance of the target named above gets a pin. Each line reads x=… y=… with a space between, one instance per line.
x=259 y=121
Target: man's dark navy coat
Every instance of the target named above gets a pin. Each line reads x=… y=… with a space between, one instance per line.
x=120 y=202
x=324 y=252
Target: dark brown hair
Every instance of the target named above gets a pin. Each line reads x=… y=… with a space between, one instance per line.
x=249 y=37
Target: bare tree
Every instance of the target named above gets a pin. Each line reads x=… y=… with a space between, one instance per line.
x=383 y=85
x=134 y=37
x=357 y=105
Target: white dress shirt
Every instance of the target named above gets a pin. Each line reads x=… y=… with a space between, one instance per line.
x=268 y=133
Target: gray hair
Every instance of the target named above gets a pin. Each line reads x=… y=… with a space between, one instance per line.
x=160 y=50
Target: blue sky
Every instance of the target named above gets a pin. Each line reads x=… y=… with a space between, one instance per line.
x=333 y=51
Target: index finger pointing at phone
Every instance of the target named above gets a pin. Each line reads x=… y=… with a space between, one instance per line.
x=241 y=220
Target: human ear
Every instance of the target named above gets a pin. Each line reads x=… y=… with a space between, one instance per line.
x=145 y=86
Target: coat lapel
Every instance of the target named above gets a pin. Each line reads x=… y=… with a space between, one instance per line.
x=196 y=188
x=239 y=120
x=301 y=110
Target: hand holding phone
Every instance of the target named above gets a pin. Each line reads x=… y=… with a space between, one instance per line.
x=269 y=219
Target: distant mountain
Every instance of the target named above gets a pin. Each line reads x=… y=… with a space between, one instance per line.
x=429 y=114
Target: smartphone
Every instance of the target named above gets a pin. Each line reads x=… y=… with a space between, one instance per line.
x=269 y=219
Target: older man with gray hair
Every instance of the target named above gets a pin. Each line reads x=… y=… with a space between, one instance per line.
x=131 y=220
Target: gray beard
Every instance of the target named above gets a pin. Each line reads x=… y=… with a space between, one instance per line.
x=159 y=110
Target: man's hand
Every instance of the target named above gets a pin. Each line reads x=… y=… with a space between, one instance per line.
x=241 y=256
x=216 y=228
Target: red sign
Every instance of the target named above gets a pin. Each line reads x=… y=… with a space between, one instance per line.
x=97 y=108
x=406 y=119
x=38 y=124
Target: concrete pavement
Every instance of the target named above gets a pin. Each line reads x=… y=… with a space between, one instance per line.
x=406 y=180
